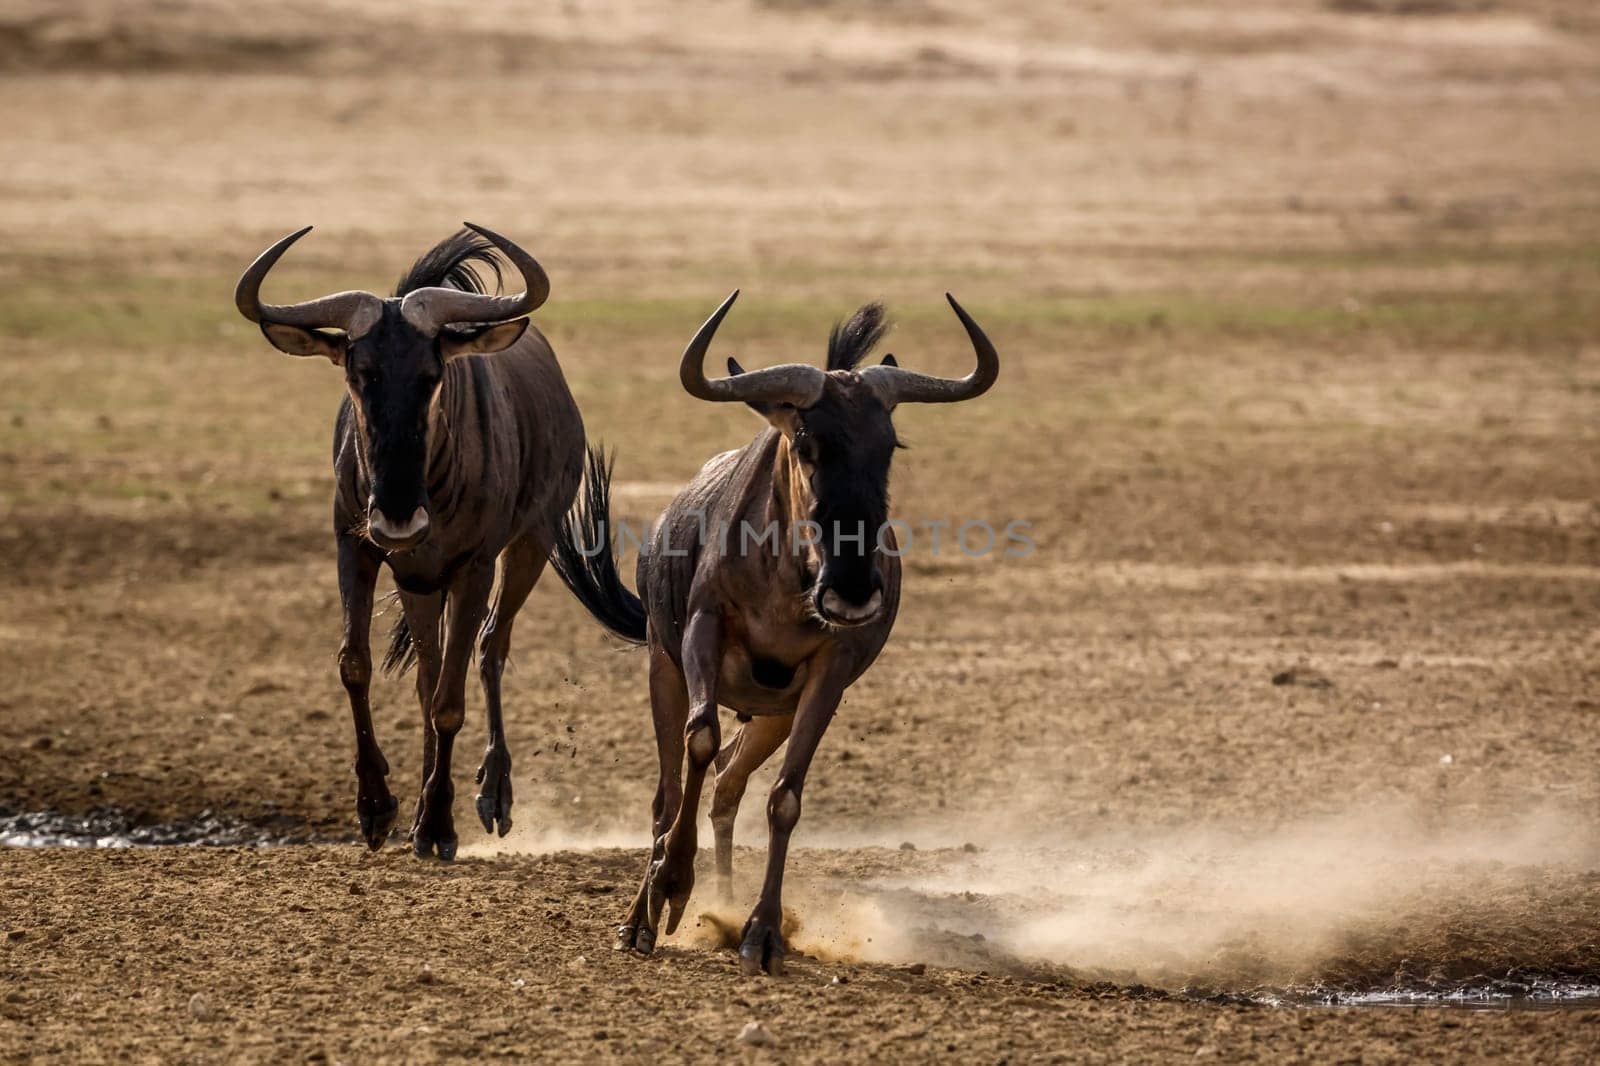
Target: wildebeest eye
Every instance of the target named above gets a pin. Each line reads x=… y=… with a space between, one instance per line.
x=805 y=446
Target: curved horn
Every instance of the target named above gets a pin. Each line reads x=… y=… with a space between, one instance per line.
x=354 y=312
x=896 y=385
x=792 y=383
x=431 y=309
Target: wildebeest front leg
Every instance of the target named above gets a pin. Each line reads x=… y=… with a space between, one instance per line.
x=466 y=603
x=762 y=947
x=423 y=613
x=672 y=878
x=358 y=575
x=753 y=745
x=521 y=566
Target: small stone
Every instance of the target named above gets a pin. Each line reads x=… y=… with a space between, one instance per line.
x=357 y=890
x=906 y=845
x=425 y=975
x=1302 y=675
x=199 y=1009
x=839 y=979
x=1446 y=760
x=917 y=969
x=754 y=1034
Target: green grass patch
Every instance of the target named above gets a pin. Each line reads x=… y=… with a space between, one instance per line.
x=125 y=387
x=140 y=314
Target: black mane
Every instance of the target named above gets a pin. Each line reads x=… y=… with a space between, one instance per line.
x=853 y=338
x=455 y=262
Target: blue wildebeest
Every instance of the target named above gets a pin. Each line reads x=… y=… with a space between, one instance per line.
x=457 y=444
x=769 y=585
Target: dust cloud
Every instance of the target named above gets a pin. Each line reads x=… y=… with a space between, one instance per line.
x=1358 y=901
x=1350 y=901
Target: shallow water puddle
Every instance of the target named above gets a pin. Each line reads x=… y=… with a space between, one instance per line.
x=111 y=829
x=1541 y=996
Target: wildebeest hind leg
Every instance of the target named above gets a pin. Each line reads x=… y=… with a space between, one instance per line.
x=358 y=574
x=753 y=745
x=672 y=878
x=669 y=710
x=467 y=601
x=521 y=566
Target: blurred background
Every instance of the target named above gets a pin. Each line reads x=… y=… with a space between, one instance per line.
x=1297 y=304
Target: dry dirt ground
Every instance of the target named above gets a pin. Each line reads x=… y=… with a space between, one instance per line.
x=1297 y=304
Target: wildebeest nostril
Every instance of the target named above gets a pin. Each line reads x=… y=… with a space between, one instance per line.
x=398 y=532
x=854 y=589
x=835 y=608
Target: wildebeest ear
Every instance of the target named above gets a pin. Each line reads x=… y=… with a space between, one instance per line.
x=296 y=341
x=762 y=409
x=481 y=339
x=890 y=360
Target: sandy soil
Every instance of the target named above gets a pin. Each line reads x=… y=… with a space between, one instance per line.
x=1297 y=308
x=324 y=954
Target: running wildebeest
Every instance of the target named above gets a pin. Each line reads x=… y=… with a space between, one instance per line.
x=740 y=610
x=457 y=444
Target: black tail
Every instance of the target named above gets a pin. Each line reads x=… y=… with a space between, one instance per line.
x=585 y=560
x=402 y=654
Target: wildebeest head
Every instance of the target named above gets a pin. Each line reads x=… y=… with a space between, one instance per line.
x=393 y=351
x=839 y=432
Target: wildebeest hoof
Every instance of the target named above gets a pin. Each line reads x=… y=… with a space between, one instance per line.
x=494 y=813
x=376 y=816
x=494 y=792
x=426 y=846
x=762 y=948
x=434 y=831
x=640 y=938
x=670 y=888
